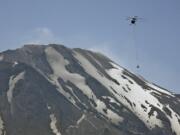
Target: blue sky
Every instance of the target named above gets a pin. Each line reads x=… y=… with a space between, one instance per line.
x=101 y=25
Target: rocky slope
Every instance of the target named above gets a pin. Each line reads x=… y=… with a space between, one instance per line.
x=54 y=90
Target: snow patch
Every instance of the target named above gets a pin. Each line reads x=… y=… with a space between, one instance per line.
x=81 y=119
x=179 y=100
x=53 y=125
x=175 y=126
x=154 y=121
x=12 y=83
x=160 y=89
x=15 y=63
x=1 y=126
x=75 y=96
x=48 y=107
x=97 y=62
x=1 y=57
x=111 y=100
x=134 y=95
x=91 y=70
x=58 y=63
x=137 y=95
x=112 y=116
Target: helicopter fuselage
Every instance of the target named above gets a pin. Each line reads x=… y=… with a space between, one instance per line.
x=133 y=20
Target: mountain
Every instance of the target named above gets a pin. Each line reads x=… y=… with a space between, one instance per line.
x=55 y=90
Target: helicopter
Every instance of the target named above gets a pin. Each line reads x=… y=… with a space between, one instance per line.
x=133 y=19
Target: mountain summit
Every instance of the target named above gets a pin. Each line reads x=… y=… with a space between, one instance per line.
x=55 y=90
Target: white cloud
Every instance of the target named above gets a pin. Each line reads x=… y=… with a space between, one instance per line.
x=104 y=49
x=44 y=32
x=41 y=35
x=108 y=50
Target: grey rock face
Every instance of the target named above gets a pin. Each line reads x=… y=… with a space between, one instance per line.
x=55 y=90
